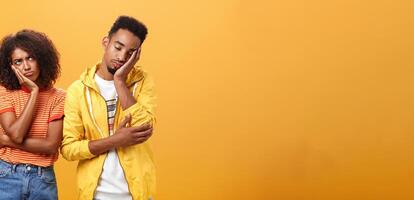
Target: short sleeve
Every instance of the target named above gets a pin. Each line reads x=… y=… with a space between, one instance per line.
x=5 y=101
x=58 y=106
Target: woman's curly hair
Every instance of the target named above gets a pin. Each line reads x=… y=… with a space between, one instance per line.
x=37 y=45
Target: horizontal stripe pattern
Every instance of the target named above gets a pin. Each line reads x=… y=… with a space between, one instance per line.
x=49 y=107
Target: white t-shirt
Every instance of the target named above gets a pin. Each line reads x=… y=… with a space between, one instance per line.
x=112 y=183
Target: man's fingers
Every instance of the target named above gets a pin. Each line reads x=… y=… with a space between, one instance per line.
x=141 y=128
x=129 y=61
x=141 y=140
x=138 y=53
x=126 y=122
x=146 y=133
x=134 y=54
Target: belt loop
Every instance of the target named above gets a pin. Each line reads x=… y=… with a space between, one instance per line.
x=39 y=170
x=14 y=168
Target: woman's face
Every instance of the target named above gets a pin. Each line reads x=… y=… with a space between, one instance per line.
x=25 y=63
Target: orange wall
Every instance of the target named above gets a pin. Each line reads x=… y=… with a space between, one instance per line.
x=259 y=99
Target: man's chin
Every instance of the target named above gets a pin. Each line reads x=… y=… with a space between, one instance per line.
x=111 y=70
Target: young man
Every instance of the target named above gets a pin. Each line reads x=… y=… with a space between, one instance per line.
x=31 y=116
x=109 y=115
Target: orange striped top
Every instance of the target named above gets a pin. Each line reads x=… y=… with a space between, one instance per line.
x=49 y=107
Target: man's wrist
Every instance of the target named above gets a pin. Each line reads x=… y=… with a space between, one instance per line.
x=114 y=141
x=119 y=81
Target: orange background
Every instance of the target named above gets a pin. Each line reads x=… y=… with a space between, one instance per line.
x=259 y=99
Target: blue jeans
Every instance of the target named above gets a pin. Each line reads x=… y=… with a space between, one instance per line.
x=27 y=182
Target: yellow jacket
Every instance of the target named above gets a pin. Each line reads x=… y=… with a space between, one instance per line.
x=86 y=119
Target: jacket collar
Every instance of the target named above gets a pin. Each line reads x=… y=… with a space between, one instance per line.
x=87 y=77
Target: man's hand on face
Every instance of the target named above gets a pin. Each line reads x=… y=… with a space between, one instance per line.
x=122 y=73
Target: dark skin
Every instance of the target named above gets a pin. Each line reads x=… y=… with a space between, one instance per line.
x=48 y=145
x=17 y=128
x=122 y=51
x=124 y=136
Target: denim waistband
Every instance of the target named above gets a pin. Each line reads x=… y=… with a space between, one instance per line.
x=25 y=168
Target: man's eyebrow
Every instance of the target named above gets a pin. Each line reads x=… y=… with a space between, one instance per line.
x=120 y=43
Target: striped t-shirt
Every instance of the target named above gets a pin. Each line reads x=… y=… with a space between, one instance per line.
x=49 y=107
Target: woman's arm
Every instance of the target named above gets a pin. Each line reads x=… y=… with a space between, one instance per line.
x=16 y=129
x=48 y=145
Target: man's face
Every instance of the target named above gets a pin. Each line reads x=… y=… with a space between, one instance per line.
x=119 y=48
x=25 y=63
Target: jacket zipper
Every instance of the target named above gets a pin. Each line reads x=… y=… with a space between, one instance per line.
x=116 y=149
x=119 y=159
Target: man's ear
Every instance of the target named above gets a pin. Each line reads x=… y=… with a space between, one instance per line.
x=105 y=41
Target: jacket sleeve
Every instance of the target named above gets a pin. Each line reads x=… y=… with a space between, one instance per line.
x=74 y=145
x=143 y=111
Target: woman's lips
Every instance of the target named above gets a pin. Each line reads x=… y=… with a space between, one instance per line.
x=28 y=74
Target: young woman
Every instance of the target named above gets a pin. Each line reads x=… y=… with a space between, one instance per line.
x=31 y=115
